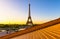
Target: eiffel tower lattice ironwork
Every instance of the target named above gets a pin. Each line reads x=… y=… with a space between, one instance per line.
x=29 y=21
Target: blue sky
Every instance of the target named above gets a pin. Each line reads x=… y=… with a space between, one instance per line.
x=16 y=11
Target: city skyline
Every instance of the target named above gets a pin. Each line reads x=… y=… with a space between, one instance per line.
x=16 y=11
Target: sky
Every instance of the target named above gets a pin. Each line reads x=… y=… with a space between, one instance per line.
x=16 y=11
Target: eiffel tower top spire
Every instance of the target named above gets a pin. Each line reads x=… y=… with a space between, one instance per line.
x=29 y=8
x=29 y=1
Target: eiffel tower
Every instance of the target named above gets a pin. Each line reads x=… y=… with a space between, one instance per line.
x=29 y=20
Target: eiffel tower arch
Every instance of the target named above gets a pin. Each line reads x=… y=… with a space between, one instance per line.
x=29 y=20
